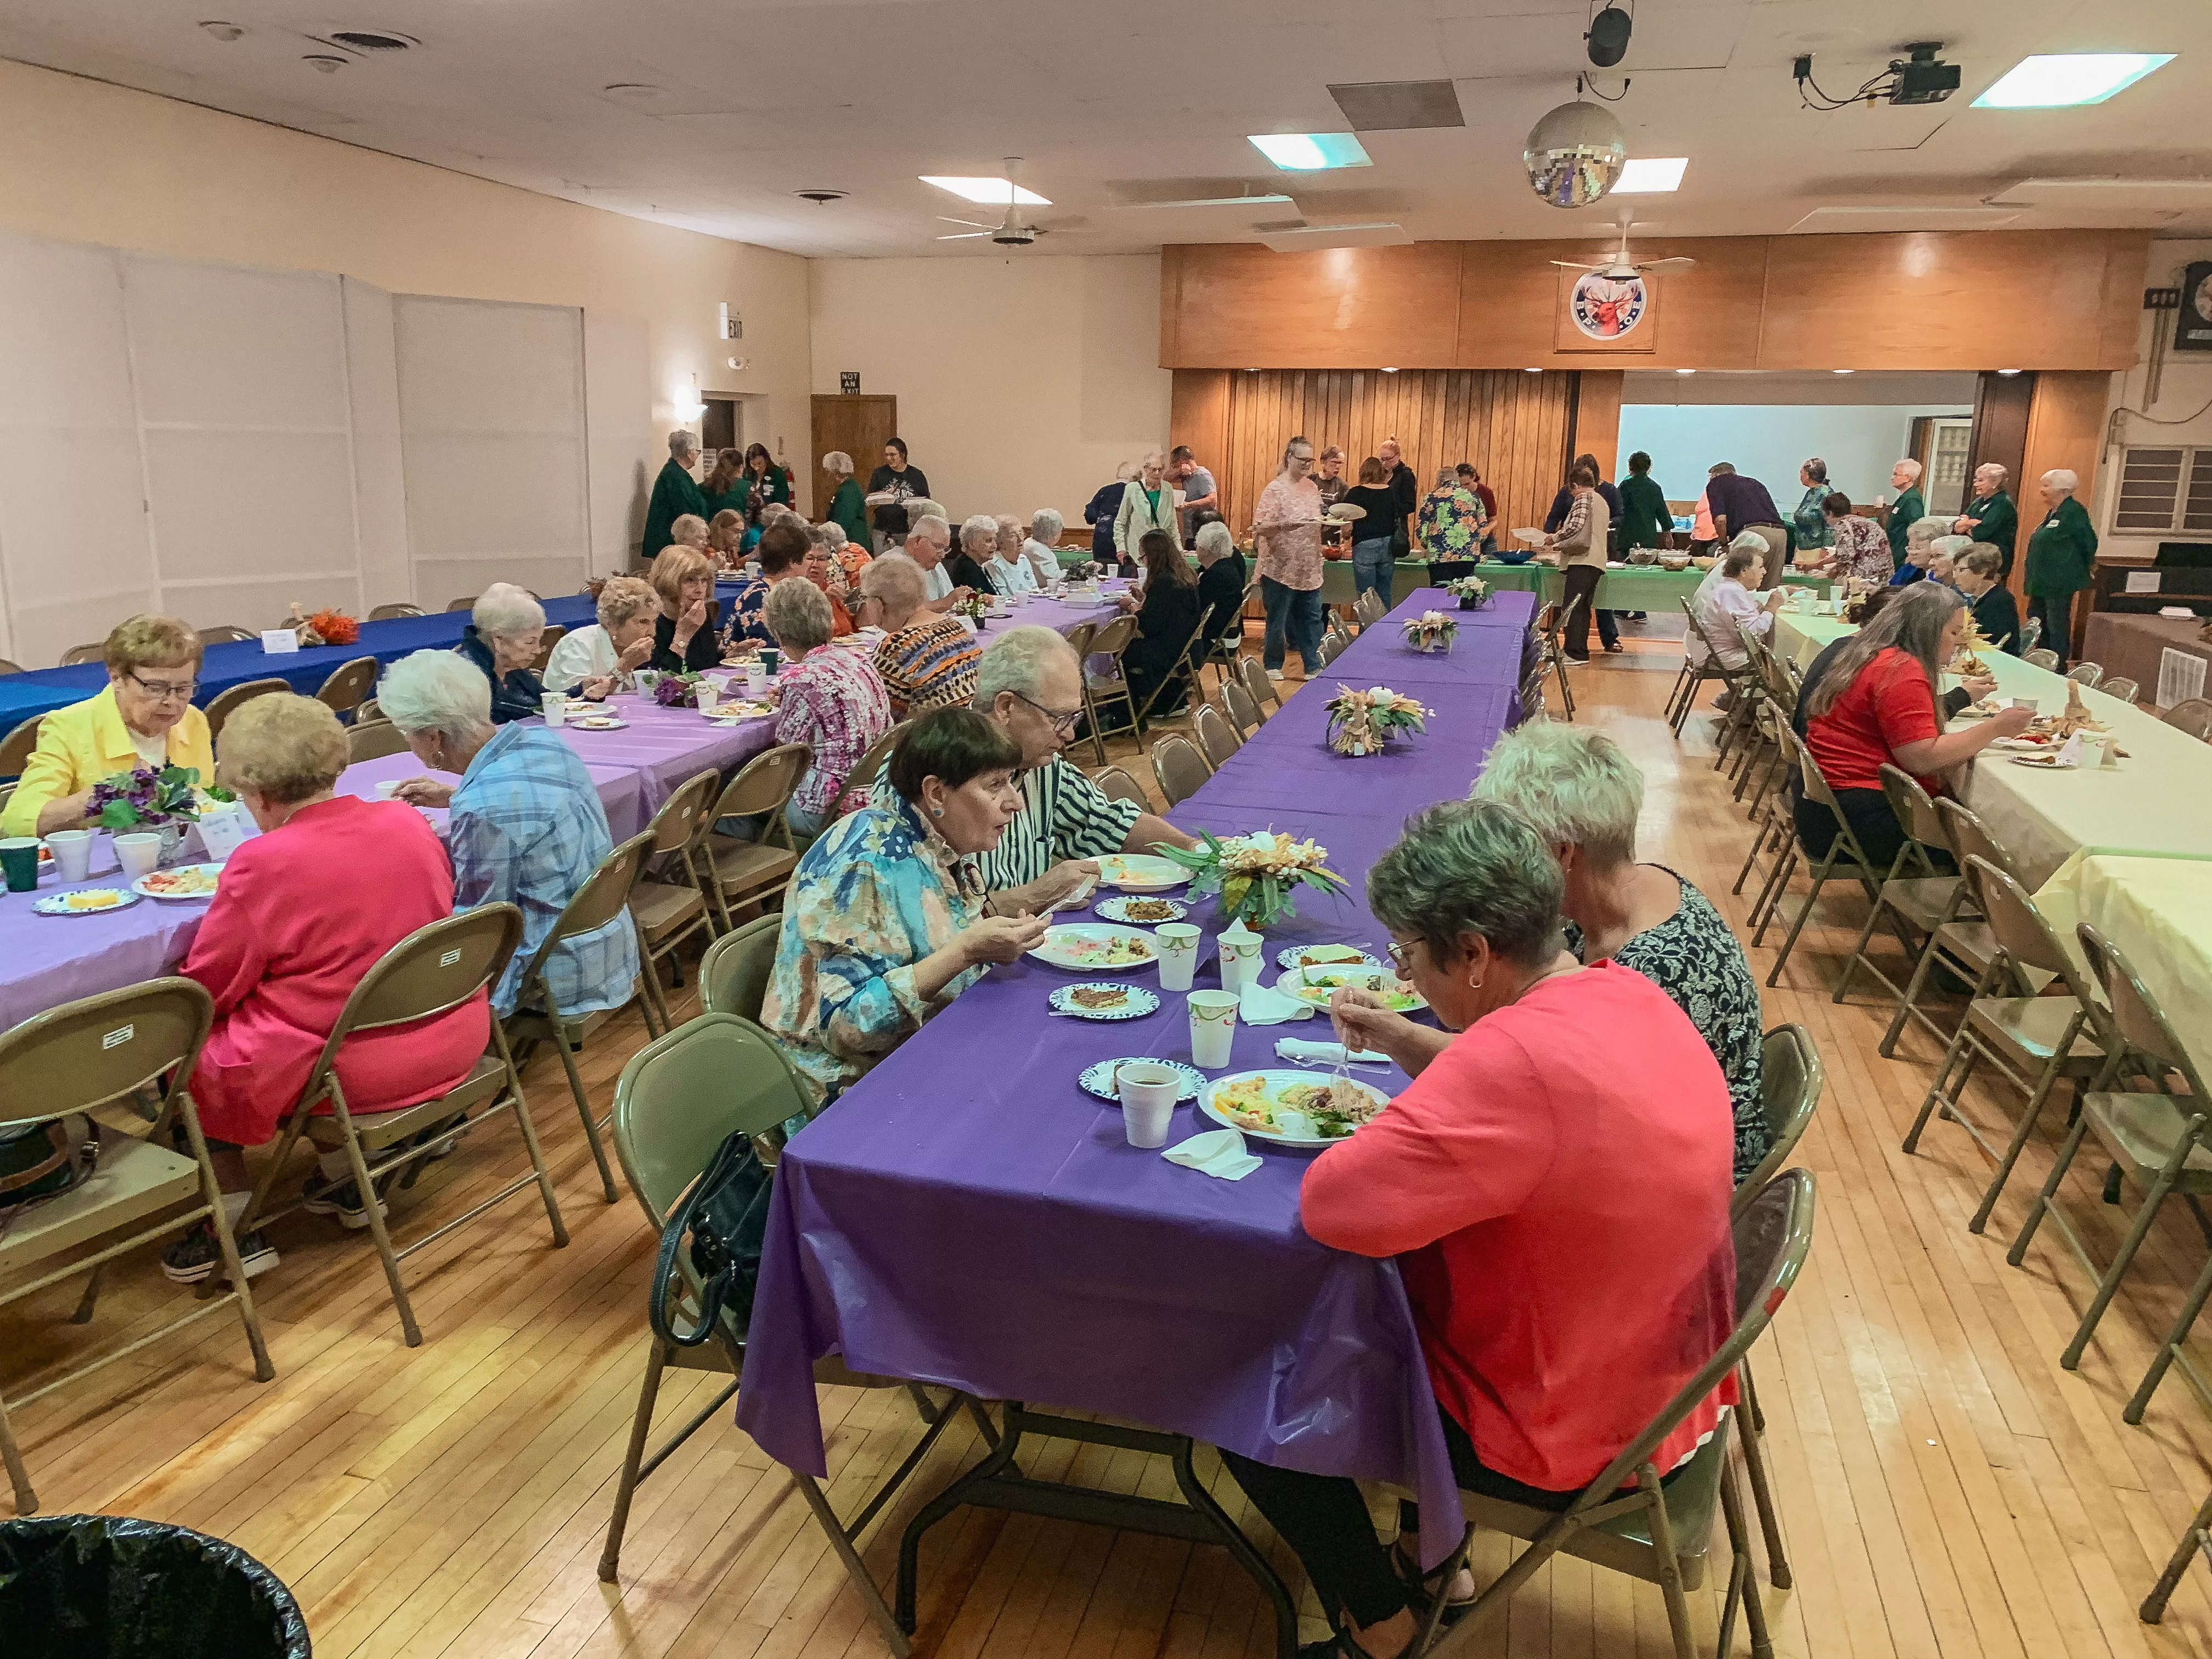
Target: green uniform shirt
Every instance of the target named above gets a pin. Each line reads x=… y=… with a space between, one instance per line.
x=1643 y=515
x=1912 y=508
x=1810 y=526
x=849 y=509
x=1996 y=521
x=675 y=493
x=2061 y=551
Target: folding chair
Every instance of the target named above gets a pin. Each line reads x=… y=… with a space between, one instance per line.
x=72 y=1059
x=668 y=913
x=1551 y=624
x=546 y=640
x=2193 y=716
x=2041 y=659
x=1228 y=646
x=741 y=873
x=433 y=970
x=1845 y=856
x=386 y=612
x=2089 y=675
x=2120 y=686
x=1693 y=675
x=2196 y=1540
x=1367 y=609
x=537 y=1015
x=374 y=739
x=2031 y=1041
x=468 y=603
x=1117 y=785
x=1216 y=738
x=78 y=653
x=873 y=759
x=1237 y=704
x=1180 y=770
x=1261 y=689
x=1939 y=908
x=678 y=1099
x=2031 y=635
x=1745 y=692
x=1532 y=697
x=231 y=700
x=7 y=667
x=1099 y=690
x=2156 y=1135
x=368 y=711
x=16 y=747
x=348 y=684
x=226 y=634
x=734 y=973
x=1185 y=675
x=1627 y=1519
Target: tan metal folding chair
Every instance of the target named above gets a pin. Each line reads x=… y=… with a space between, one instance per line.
x=2193 y=716
x=1216 y=738
x=17 y=747
x=1180 y=770
x=1256 y=683
x=7 y=667
x=1693 y=676
x=668 y=912
x=552 y=636
x=1959 y=940
x=467 y=603
x=878 y=754
x=374 y=739
x=1845 y=856
x=1237 y=702
x=1117 y=785
x=742 y=872
x=433 y=970
x=226 y=634
x=80 y=654
x=386 y=612
x=1101 y=691
x=2042 y=658
x=2195 y=1542
x=350 y=684
x=734 y=973
x=70 y=1060
x=229 y=701
x=2088 y=674
x=2120 y=686
x=2031 y=1041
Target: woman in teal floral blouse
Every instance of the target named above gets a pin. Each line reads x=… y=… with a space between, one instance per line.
x=1449 y=523
x=884 y=925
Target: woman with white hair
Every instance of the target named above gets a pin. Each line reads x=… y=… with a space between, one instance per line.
x=2060 y=555
x=1930 y=552
x=502 y=638
x=1147 y=504
x=1582 y=795
x=831 y=700
x=690 y=530
x=675 y=493
x=593 y=661
x=925 y=660
x=849 y=508
x=1990 y=517
x=1220 y=584
x=1978 y=574
x=1910 y=507
x=1009 y=571
x=1809 y=530
x=1045 y=528
x=846 y=556
x=967 y=565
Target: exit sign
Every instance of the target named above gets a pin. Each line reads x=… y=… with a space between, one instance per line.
x=848 y=382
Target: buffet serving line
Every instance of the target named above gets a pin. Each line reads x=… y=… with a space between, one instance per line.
x=989 y=1227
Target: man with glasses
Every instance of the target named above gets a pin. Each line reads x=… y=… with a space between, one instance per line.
x=143 y=718
x=1030 y=682
x=1287 y=524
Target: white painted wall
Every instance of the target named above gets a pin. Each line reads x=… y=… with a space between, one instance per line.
x=2182 y=413
x=1021 y=381
x=1860 y=443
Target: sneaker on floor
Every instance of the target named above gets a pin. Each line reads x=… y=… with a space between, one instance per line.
x=339 y=1198
x=1573 y=661
x=1275 y=676
x=198 y=1256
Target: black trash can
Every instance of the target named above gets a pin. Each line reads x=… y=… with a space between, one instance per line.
x=108 y=1587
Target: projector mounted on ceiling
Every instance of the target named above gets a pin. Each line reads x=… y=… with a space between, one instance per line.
x=1919 y=77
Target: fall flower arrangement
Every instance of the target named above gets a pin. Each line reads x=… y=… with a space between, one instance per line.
x=1256 y=875
x=335 y=626
x=1361 y=722
x=969 y=603
x=677 y=690
x=1432 y=630
x=1471 y=591
x=148 y=798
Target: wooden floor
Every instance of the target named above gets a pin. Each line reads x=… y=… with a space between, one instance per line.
x=1947 y=1489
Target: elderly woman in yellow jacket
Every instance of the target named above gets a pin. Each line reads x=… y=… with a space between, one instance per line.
x=144 y=718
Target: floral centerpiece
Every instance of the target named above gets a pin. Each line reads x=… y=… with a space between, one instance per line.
x=971 y=604
x=335 y=626
x=678 y=690
x=1432 y=630
x=1472 y=592
x=1257 y=875
x=1361 y=722
x=158 y=800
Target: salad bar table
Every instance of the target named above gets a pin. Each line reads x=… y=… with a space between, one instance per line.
x=987 y=1228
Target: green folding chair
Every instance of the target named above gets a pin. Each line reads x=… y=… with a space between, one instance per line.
x=733 y=974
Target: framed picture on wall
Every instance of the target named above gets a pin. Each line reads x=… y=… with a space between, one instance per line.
x=2192 y=330
x=1605 y=315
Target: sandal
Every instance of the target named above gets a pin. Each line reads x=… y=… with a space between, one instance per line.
x=1423 y=1589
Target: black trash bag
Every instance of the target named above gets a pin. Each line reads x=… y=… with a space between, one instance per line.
x=108 y=1587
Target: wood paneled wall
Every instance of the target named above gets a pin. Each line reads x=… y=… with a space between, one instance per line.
x=1516 y=428
x=1932 y=300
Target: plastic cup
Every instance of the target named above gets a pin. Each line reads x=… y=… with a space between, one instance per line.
x=388 y=788
x=18 y=858
x=140 y=854
x=72 y=851
x=1240 y=960
x=1148 y=1091
x=709 y=693
x=556 y=705
x=771 y=660
x=1177 y=944
x=1213 y=1028
x=648 y=681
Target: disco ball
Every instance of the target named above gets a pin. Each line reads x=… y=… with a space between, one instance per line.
x=1575 y=154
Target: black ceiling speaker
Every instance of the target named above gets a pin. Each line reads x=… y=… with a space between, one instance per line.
x=1609 y=37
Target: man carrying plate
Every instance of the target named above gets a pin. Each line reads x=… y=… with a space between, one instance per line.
x=1030 y=683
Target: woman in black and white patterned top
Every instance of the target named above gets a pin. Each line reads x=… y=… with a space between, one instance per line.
x=1583 y=795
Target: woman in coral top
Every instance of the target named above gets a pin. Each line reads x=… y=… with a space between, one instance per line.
x=1560 y=1218
x=304 y=910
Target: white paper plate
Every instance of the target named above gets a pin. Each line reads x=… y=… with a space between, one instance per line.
x=141 y=887
x=1141 y=872
x=1534 y=537
x=1117 y=909
x=1060 y=943
x=1099 y=1080
x=1292 y=984
x=1300 y=1133
x=52 y=905
x=1140 y=1001
x=1288 y=957
x=1346 y=513
x=599 y=723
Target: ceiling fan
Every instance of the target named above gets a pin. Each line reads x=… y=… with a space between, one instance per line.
x=1619 y=267
x=1014 y=230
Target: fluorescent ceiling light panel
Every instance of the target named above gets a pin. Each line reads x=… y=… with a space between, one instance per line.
x=985 y=192
x=2058 y=80
x=1650 y=175
x=1311 y=152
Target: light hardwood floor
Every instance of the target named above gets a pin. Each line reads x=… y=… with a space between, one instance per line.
x=1946 y=1488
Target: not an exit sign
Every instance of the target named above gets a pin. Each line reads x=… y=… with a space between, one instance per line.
x=848 y=382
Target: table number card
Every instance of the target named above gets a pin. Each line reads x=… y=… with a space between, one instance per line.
x=2145 y=582
x=275 y=641
x=223 y=832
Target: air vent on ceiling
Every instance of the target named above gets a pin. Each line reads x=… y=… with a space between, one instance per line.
x=372 y=40
x=1398 y=106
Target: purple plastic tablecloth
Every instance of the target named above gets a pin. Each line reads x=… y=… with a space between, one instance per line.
x=965 y=1215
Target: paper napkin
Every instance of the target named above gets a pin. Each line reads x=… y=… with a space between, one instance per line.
x=1325 y=1054
x=2069 y=752
x=1257 y=1004
x=1219 y=1152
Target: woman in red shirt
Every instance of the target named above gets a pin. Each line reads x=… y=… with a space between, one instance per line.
x=1874 y=704
x=1559 y=1305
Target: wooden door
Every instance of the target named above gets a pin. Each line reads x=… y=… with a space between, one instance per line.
x=861 y=424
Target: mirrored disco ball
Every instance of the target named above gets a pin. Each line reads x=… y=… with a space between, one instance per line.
x=1575 y=154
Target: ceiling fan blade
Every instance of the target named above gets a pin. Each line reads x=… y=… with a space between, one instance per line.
x=964 y=236
x=1577 y=264
x=973 y=224
x=1662 y=265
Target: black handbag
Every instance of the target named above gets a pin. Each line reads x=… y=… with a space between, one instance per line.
x=725 y=1214
x=41 y=1160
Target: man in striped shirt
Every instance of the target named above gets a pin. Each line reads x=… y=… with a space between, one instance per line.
x=1031 y=683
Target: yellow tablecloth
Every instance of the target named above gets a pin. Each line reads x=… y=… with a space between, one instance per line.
x=2158 y=912
x=2158 y=801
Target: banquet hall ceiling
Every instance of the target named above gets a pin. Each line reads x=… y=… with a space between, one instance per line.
x=749 y=101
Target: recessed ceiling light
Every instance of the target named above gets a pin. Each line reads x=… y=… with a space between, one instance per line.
x=985 y=192
x=1686 y=371
x=328 y=63
x=1534 y=369
x=1650 y=175
x=1841 y=371
x=1251 y=371
x=2007 y=371
x=2056 y=80
x=1389 y=371
x=1311 y=152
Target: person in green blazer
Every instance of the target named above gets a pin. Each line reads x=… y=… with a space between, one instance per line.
x=1990 y=516
x=2059 y=556
x=675 y=493
x=771 y=484
x=725 y=488
x=847 y=508
x=1644 y=519
x=1907 y=510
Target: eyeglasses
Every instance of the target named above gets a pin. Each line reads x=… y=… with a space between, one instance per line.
x=160 y=690
x=1063 y=725
x=1398 y=958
